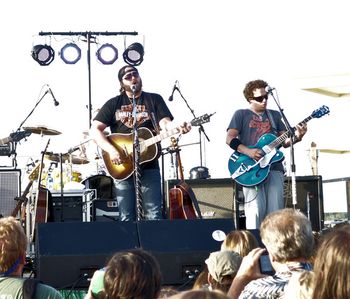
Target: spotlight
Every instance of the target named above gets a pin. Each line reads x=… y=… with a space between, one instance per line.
x=70 y=53
x=133 y=55
x=107 y=54
x=43 y=54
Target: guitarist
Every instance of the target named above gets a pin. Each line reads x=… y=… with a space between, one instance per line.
x=116 y=113
x=243 y=132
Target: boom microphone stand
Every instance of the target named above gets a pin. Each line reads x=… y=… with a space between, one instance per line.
x=200 y=129
x=291 y=133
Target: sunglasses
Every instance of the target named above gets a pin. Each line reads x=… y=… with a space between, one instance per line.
x=129 y=76
x=261 y=98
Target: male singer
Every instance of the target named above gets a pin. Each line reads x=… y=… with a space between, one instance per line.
x=117 y=114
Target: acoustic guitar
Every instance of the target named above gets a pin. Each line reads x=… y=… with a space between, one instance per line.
x=22 y=200
x=148 y=148
x=40 y=213
x=182 y=200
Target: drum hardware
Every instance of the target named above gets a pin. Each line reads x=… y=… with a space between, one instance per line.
x=66 y=157
x=42 y=130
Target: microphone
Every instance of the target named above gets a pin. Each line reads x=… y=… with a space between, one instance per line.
x=54 y=99
x=73 y=149
x=269 y=89
x=172 y=93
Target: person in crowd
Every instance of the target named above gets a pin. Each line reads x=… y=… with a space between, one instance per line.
x=150 y=115
x=300 y=285
x=332 y=264
x=288 y=238
x=240 y=241
x=200 y=294
x=13 y=246
x=222 y=268
x=245 y=134
x=134 y=273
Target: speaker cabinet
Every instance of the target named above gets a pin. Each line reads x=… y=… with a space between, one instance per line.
x=181 y=246
x=309 y=198
x=72 y=203
x=67 y=253
x=9 y=190
x=214 y=196
x=105 y=210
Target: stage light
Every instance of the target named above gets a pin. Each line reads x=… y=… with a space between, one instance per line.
x=70 y=53
x=43 y=54
x=133 y=55
x=107 y=54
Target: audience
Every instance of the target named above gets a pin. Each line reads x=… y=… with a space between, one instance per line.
x=287 y=236
x=222 y=268
x=200 y=294
x=13 y=246
x=240 y=241
x=300 y=285
x=128 y=274
x=332 y=265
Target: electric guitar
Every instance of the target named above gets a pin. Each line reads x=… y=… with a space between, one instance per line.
x=14 y=137
x=148 y=148
x=249 y=172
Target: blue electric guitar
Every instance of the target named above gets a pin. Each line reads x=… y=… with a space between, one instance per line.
x=249 y=172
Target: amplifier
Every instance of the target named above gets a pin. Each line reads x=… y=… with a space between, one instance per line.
x=9 y=189
x=105 y=210
x=72 y=203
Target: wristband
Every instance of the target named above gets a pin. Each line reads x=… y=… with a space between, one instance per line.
x=234 y=143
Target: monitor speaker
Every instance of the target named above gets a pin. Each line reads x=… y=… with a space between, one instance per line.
x=9 y=190
x=214 y=196
x=181 y=246
x=67 y=253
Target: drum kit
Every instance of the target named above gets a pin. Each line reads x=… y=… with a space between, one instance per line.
x=62 y=170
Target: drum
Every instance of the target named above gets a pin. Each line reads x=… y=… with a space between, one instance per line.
x=102 y=183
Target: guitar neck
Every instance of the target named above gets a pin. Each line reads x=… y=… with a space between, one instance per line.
x=160 y=137
x=278 y=141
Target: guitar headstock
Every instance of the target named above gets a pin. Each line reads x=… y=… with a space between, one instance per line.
x=34 y=174
x=323 y=110
x=174 y=143
x=17 y=136
x=201 y=120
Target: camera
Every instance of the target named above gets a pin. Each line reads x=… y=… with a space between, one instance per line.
x=265 y=265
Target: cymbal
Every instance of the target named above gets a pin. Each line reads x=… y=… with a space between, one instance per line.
x=67 y=157
x=42 y=130
x=334 y=151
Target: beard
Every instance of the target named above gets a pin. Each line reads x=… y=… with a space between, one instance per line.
x=138 y=87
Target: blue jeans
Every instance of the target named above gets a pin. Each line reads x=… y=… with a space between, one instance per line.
x=150 y=192
x=263 y=199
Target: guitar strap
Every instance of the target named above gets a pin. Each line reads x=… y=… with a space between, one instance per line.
x=272 y=121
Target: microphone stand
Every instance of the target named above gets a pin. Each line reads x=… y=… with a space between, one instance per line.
x=200 y=129
x=136 y=152
x=290 y=130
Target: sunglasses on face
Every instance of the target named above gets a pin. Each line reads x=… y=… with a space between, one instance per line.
x=129 y=76
x=261 y=98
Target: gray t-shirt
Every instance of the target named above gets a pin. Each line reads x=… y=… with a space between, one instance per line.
x=12 y=288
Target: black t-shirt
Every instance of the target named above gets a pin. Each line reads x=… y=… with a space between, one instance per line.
x=116 y=113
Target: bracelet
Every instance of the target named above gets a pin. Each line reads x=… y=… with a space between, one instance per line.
x=234 y=143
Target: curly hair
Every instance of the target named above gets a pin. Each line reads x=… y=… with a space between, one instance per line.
x=13 y=242
x=132 y=274
x=332 y=264
x=287 y=235
x=251 y=86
